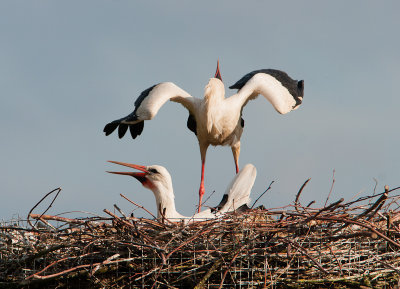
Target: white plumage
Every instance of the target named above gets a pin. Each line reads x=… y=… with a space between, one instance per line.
x=214 y=119
x=158 y=180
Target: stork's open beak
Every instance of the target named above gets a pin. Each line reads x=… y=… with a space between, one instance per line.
x=218 y=73
x=141 y=177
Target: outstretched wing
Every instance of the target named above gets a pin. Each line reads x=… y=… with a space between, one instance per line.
x=147 y=105
x=237 y=193
x=284 y=93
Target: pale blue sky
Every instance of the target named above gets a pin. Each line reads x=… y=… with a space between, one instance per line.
x=69 y=67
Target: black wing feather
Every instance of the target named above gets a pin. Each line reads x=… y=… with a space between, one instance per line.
x=221 y=204
x=110 y=127
x=122 y=130
x=296 y=88
x=142 y=96
x=135 y=129
x=191 y=124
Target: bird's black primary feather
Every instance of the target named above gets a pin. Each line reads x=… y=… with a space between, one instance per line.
x=243 y=208
x=296 y=88
x=122 y=130
x=110 y=127
x=191 y=124
x=135 y=129
x=221 y=204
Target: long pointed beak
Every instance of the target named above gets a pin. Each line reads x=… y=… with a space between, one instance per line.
x=218 y=73
x=139 y=176
x=137 y=167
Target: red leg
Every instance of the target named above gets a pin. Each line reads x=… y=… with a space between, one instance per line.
x=201 y=190
x=236 y=152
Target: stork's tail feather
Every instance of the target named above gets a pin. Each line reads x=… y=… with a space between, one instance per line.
x=135 y=129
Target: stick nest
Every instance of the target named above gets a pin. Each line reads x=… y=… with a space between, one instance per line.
x=354 y=244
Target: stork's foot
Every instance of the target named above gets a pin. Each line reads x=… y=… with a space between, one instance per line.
x=201 y=194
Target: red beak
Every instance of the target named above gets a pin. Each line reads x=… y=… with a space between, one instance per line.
x=141 y=177
x=218 y=73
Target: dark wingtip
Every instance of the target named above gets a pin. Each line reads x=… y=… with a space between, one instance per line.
x=122 y=130
x=221 y=204
x=136 y=129
x=300 y=87
x=110 y=127
x=243 y=208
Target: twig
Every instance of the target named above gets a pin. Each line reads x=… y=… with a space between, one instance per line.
x=208 y=198
x=106 y=261
x=139 y=206
x=217 y=264
x=230 y=264
x=159 y=250
x=63 y=219
x=344 y=220
x=330 y=207
x=36 y=275
x=41 y=200
x=381 y=200
x=296 y=201
x=312 y=202
x=306 y=253
x=269 y=187
x=119 y=210
x=377 y=205
x=48 y=224
x=330 y=191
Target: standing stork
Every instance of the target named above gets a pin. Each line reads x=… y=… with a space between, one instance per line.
x=158 y=180
x=214 y=119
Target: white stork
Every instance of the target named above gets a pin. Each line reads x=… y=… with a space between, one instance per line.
x=158 y=180
x=214 y=119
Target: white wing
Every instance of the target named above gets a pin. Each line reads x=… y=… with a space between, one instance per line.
x=238 y=191
x=284 y=93
x=147 y=105
x=236 y=195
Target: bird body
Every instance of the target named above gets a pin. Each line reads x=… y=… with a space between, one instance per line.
x=157 y=179
x=214 y=119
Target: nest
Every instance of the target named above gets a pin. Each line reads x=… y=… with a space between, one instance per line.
x=354 y=244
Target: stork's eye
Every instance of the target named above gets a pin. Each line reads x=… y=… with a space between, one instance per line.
x=153 y=171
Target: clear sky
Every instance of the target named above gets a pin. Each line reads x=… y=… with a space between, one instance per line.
x=69 y=67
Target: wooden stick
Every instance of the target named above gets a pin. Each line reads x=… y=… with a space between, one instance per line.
x=139 y=206
x=296 y=201
x=41 y=200
x=269 y=187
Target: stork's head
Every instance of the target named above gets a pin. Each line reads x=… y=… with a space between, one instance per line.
x=154 y=177
x=218 y=73
x=215 y=86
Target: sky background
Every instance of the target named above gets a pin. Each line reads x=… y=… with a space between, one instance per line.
x=69 y=67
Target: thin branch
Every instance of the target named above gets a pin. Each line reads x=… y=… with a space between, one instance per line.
x=296 y=201
x=330 y=191
x=41 y=200
x=139 y=206
x=269 y=187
